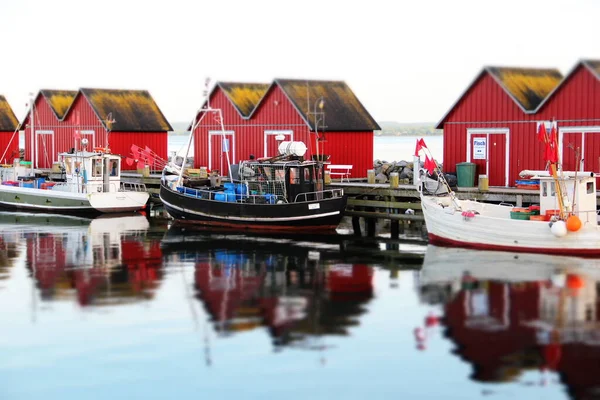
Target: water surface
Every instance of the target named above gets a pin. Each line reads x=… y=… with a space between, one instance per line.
x=130 y=307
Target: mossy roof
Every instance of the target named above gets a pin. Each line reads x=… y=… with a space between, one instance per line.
x=131 y=110
x=59 y=100
x=527 y=86
x=8 y=120
x=342 y=110
x=594 y=66
x=244 y=96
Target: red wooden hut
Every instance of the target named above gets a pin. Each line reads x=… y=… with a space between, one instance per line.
x=9 y=136
x=575 y=105
x=115 y=119
x=257 y=116
x=494 y=123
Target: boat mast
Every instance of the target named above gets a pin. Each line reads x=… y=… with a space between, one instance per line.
x=200 y=114
x=33 y=144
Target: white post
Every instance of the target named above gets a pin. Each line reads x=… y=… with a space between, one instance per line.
x=416 y=168
x=33 y=141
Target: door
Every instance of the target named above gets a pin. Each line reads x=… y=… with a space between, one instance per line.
x=221 y=151
x=571 y=145
x=487 y=150
x=497 y=159
x=44 y=149
x=272 y=140
x=591 y=153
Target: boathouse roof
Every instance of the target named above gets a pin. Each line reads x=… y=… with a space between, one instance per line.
x=59 y=100
x=594 y=66
x=527 y=87
x=131 y=110
x=8 y=120
x=341 y=108
x=244 y=96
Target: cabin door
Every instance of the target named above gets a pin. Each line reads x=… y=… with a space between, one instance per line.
x=221 y=146
x=487 y=149
x=272 y=140
x=44 y=149
x=571 y=144
x=587 y=141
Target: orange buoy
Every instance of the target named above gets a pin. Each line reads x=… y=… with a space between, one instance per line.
x=573 y=223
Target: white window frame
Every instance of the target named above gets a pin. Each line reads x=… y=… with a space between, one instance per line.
x=575 y=129
x=87 y=133
x=488 y=132
x=275 y=133
x=231 y=147
x=53 y=156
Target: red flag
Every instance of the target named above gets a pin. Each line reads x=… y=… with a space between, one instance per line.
x=429 y=165
x=542 y=134
x=553 y=134
x=420 y=145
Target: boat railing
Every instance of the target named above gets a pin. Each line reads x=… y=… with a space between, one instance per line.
x=232 y=197
x=132 y=187
x=319 y=195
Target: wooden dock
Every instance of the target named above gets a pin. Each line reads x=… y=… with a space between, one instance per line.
x=375 y=203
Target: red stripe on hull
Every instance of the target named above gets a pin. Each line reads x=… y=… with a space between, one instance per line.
x=440 y=241
x=263 y=228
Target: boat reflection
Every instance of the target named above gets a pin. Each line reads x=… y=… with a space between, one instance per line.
x=98 y=261
x=509 y=313
x=301 y=291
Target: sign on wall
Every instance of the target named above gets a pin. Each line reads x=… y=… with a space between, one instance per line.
x=479 y=148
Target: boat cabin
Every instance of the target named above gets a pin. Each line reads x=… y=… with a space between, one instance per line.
x=87 y=172
x=579 y=194
x=281 y=181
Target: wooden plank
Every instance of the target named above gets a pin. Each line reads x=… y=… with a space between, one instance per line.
x=384 y=204
x=380 y=215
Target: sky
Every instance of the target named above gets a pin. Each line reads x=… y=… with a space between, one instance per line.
x=407 y=61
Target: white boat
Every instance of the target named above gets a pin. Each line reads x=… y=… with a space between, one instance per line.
x=443 y=265
x=572 y=230
x=92 y=184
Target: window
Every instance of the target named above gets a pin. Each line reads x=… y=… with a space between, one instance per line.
x=294 y=176
x=96 y=167
x=114 y=168
x=590 y=188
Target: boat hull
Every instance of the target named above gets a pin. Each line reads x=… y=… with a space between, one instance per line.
x=491 y=228
x=58 y=201
x=303 y=217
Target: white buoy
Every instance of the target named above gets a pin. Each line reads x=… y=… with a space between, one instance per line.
x=559 y=229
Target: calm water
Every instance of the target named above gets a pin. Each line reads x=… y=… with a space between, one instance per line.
x=388 y=148
x=126 y=307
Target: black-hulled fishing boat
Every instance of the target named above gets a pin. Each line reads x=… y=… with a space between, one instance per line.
x=282 y=193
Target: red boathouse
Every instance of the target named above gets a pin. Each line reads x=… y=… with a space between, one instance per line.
x=257 y=116
x=115 y=119
x=494 y=123
x=9 y=136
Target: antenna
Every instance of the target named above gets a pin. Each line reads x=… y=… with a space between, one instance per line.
x=109 y=121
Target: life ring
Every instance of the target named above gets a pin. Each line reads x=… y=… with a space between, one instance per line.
x=99 y=150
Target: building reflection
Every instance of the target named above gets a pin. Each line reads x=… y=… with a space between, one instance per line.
x=296 y=292
x=97 y=261
x=509 y=313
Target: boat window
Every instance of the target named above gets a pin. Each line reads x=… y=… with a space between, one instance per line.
x=308 y=175
x=590 y=188
x=114 y=168
x=545 y=189
x=294 y=176
x=553 y=189
x=96 y=167
x=68 y=165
